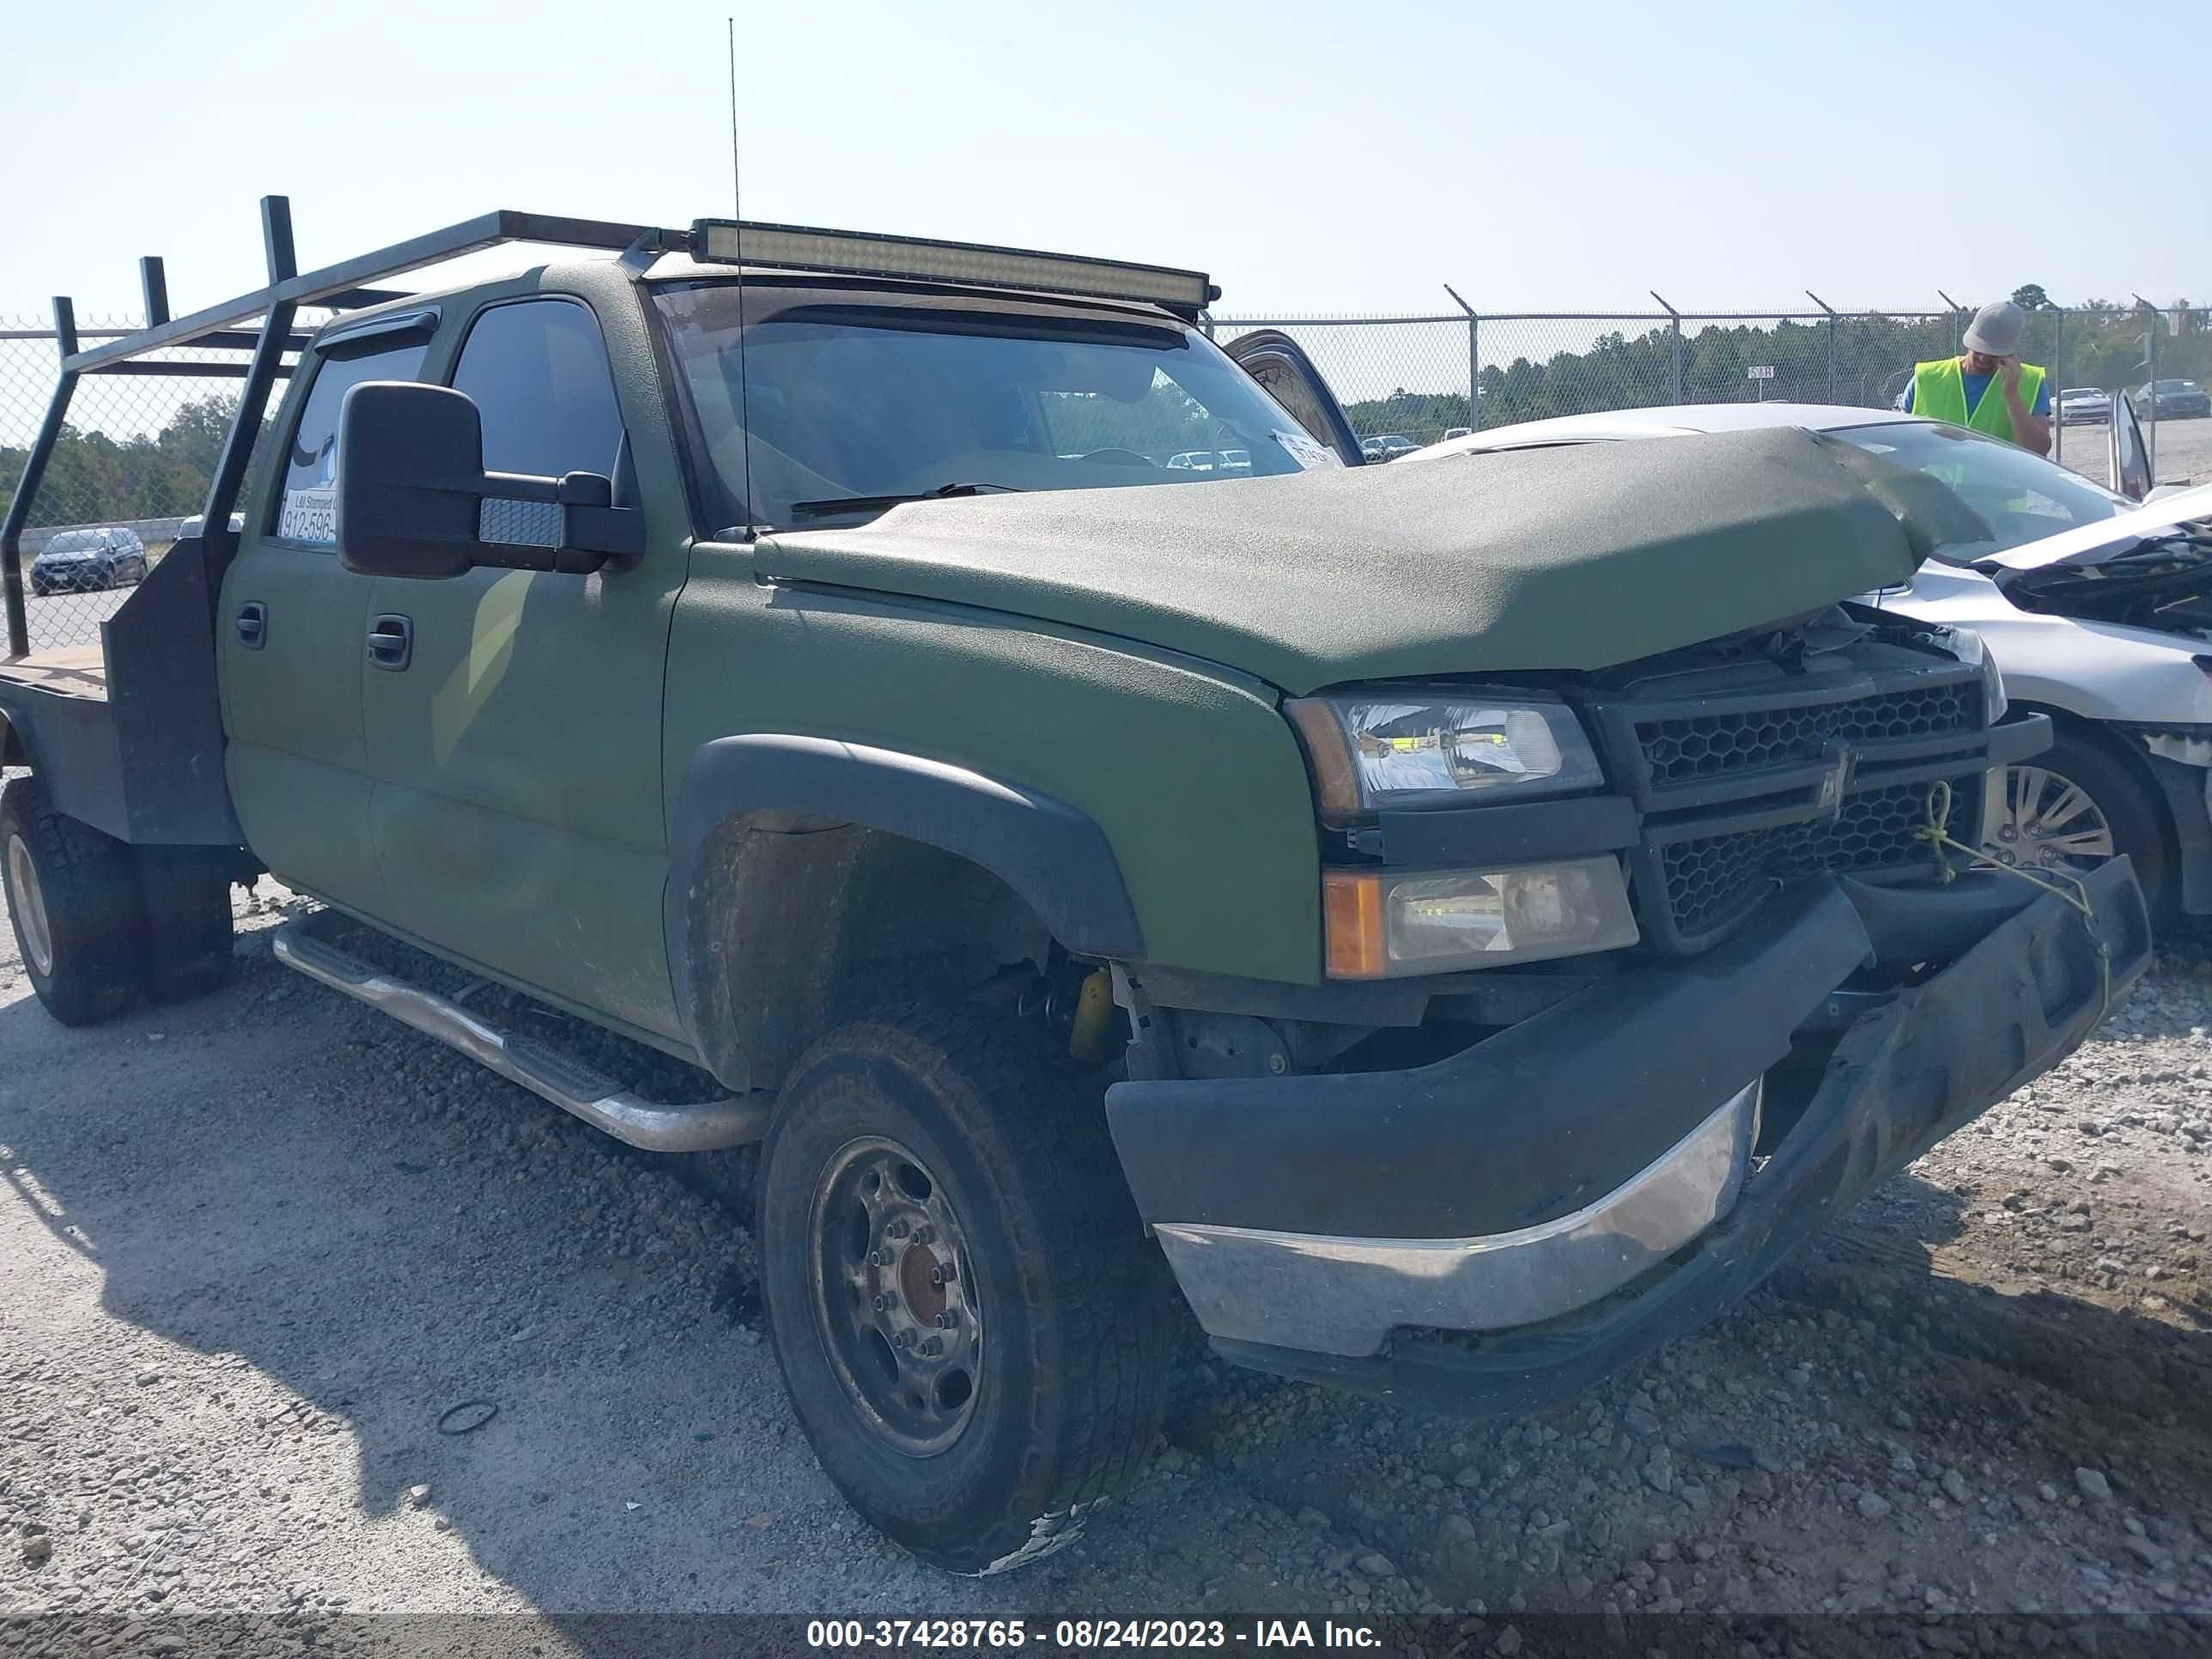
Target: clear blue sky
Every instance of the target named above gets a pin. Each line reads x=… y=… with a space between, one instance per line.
x=1315 y=158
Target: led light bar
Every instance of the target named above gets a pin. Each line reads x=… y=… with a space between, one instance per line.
x=719 y=241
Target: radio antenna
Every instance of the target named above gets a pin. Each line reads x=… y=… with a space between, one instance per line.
x=737 y=256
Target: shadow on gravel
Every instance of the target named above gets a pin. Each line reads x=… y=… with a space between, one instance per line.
x=385 y=1232
x=1878 y=1259
x=379 y=1231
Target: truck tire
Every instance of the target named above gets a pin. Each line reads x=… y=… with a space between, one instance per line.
x=186 y=894
x=974 y=1329
x=73 y=897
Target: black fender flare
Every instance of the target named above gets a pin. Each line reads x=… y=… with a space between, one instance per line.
x=1056 y=858
x=14 y=740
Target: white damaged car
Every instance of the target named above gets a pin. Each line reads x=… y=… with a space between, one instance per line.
x=2098 y=611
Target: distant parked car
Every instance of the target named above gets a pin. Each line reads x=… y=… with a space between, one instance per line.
x=2172 y=399
x=2084 y=405
x=84 y=561
x=1389 y=446
x=1234 y=460
x=1458 y=432
x=1372 y=449
x=1194 y=460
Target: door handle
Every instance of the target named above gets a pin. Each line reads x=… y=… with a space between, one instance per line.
x=252 y=625
x=391 y=642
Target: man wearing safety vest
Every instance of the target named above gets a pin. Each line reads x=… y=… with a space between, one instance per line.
x=1987 y=388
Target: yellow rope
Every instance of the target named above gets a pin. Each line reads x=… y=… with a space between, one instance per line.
x=1935 y=830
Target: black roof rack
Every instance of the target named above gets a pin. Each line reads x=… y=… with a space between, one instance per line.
x=355 y=282
x=346 y=284
x=260 y=350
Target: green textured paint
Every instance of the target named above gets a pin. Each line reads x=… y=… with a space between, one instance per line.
x=518 y=815
x=1195 y=778
x=505 y=798
x=295 y=763
x=1574 y=557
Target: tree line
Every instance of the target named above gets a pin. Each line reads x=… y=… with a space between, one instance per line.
x=95 y=478
x=1864 y=361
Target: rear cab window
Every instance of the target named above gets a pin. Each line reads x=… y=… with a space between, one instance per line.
x=305 y=513
x=538 y=372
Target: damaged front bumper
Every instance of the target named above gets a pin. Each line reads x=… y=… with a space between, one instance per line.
x=1586 y=1185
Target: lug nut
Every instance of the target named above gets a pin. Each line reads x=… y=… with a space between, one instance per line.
x=947 y=1320
x=880 y=1258
x=933 y=1347
x=897 y=1229
x=904 y=1340
x=924 y=1234
x=938 y=1275
x=883 y=1302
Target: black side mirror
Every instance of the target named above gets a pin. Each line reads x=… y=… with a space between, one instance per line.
x=413 y=499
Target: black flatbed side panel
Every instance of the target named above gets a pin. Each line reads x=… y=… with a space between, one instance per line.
x=73 y=747
x=169 y=711
x=143 y=763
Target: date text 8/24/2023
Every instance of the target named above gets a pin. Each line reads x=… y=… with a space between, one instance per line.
x=1085 y=1634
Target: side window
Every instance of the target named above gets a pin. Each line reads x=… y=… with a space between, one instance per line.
x=538 y=370
x=306 y=506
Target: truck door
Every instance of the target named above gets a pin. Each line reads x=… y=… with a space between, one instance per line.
x=289 y=636
x=513 y=717
x=1281 y=364
x=2130 y=460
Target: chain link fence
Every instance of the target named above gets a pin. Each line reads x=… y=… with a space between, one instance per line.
x=132 y=466
x=1407 y=381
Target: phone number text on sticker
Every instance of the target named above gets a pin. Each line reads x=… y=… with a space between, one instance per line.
x=310 y=515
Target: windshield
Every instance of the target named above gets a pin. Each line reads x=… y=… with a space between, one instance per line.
x=849 y=403
x=78 y=541
x=2023 y=497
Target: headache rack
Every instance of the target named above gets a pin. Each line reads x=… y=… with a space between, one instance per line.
x=256 y=329
x=129 y=738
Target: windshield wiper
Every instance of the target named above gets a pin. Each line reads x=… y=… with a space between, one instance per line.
x=830 y=505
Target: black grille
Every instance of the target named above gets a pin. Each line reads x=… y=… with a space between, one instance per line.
x=1880 y=829
x=1710 y=881
x=1695 y=747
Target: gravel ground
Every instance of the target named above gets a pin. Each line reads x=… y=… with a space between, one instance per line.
x=2184 y=451
x=251 y=1249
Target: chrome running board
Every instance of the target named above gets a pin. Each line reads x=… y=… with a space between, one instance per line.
x=569 y=1084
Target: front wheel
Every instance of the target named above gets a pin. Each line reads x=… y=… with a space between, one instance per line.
x=974 y=1329
x=2076 y=806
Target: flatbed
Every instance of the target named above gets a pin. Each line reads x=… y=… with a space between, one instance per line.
x=66 y=671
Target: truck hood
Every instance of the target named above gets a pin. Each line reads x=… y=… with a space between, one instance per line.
x=1573 y=558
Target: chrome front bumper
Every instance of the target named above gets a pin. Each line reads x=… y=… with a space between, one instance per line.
x=1345 y=1295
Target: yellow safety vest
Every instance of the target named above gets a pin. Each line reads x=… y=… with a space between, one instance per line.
x=1939 y=394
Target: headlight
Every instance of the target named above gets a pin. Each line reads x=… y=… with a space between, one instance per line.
x=1408 y=750
x=1381 y=924
x=1968 y=647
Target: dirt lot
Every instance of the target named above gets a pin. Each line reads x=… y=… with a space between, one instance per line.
x=251 y=1250
x=2184 y=451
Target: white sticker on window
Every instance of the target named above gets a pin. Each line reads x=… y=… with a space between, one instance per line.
x=1305 y=452
x=310 y=515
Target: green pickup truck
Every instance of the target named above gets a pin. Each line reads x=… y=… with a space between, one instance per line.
x=1454 y=928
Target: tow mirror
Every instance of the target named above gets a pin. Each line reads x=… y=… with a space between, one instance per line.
x=413 y=499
